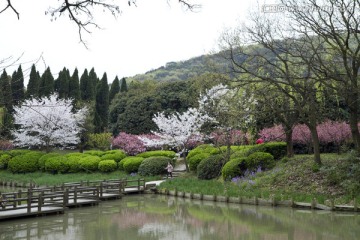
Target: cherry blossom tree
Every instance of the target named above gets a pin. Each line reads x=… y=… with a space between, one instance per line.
x=177 y=129
x=47 y=122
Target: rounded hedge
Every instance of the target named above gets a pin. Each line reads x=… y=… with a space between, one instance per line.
x=44 y=158
x=25 y=163
x=95 y=153
x=194 y=160
x=157 y=153
x=234 y=168
x=153 y=166
x=260 y=159
x=132 y=164
x=277 y=149
x=116 y=155
x=57 y=164
x=204 y=148
x=210 y=167
x=89 y=163
x=73 y=163
x=17 y=152
x=4 y=160
x=107 y=166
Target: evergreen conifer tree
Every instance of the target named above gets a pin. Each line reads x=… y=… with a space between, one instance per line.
x=84 y=79
x=17 y=86
x=61 y=84
x=114 y=89
x=93 y=81
x=123 y=85
x=74 y=87
x=6 y=91
x=33 y=84
x=46 y=84
x=102 y=105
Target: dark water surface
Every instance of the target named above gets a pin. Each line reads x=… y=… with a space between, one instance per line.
x=161 y=217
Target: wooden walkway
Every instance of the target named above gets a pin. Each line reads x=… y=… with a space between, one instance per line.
x=54 y=200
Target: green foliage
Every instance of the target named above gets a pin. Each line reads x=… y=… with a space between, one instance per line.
x=153 y=166
x=234 y=168
x=56 y=164
x=46 y=87
x=100 y=141
x=114 y=89
x=44 y=158
x=107 y=166
x=95 y=153
x=131 y=164
x=4 y=160
x=164 y=153
x=210 y=167
x=73 y=163
x=102 y=105
x=116 y=155
x=17 y=152
x=204 y=148
x=277 y=149
x=32 y=89
x=194 y=160
x=25 y=163
x=260 y=159
x=89 y=163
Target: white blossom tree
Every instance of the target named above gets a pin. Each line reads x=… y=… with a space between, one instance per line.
x=177 y=129
x=47 y=122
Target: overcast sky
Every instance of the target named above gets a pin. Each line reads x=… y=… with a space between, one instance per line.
x=140 y=39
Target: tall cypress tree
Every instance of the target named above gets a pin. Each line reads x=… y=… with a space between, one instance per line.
x=61 y=84
x=84 y=79
x=17 y=86
x=74 y=87
x=114 y=89
x=47 y=84
x=6 y=91
x=32 y=89
x=102 y=105
x=93 y=81
x=123 y=85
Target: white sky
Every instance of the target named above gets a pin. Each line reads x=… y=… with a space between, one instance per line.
x=140 y=39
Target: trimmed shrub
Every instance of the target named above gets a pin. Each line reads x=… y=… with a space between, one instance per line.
x=234 y=168
x=132 y=164
x=194 y=160
x=89 y=163
x=76 y=154
x=153 y=166
x=116 y=155
x=277 y=149
x=17 y=152
x=95 y=153
x=73 y=163
x=56 y=164
x=107 y=166
x=205 y=148
x=25 y=163
x=100 y=140
x=45 y=157
x=260 y=159
x=210 y=167
x=157 y=153
x=4 y=160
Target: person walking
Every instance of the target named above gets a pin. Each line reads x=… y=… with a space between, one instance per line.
x=169 y=169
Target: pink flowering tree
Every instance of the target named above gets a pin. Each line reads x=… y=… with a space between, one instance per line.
x=130 y=143
x=236 y=137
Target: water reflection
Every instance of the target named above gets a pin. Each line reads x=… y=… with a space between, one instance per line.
x=161 y=217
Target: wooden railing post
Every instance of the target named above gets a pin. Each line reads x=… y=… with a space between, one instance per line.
x=29 y=195
x=101 y=189
x=40 y=201
x=75 y=194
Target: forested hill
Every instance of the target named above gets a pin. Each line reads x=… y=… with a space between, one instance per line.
x=182 y=70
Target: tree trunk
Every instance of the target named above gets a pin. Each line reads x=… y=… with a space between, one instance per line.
x=355 y=130
x=315 y=142
x=289 y=142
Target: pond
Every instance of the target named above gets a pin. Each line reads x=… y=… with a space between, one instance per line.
x=162 y=217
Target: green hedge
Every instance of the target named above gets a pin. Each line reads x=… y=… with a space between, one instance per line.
x=157 y=153
x=132 y=164
x=260 y=159
x=73 y=163
x=153 y=166
x=194 y=160
x=116 y=155
x=277 y=149
x=57 y=164
x=107 y=166
x=234 y=168
x=24 y=163
x=204 y=148
x=4 y=160
x=44 y=158
x=95 y=153
x=210 y=167
x=17 y=152
x=89 y=163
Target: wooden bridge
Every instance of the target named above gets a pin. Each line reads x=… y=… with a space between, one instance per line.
x=54 y=200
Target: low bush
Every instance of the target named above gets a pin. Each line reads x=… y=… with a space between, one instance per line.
x=45 y=157
x=116 y=155
x=204 y=148
x=89 y=163
x=4 y=160
x=260 y=159
x=153 y=166
x=194 y=160
x=56 y=164
x=234 y=168
x=95 y=153
x=24 y=163
x=73 y=163
x=107 y=166
x=17 y=152
x=277 y=149
x=157 y=153
x=131 y=164
x=210 y=167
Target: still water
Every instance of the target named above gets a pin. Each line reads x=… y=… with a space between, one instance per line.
x=162 y=217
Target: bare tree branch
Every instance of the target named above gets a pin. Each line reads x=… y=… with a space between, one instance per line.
x=9 y=5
